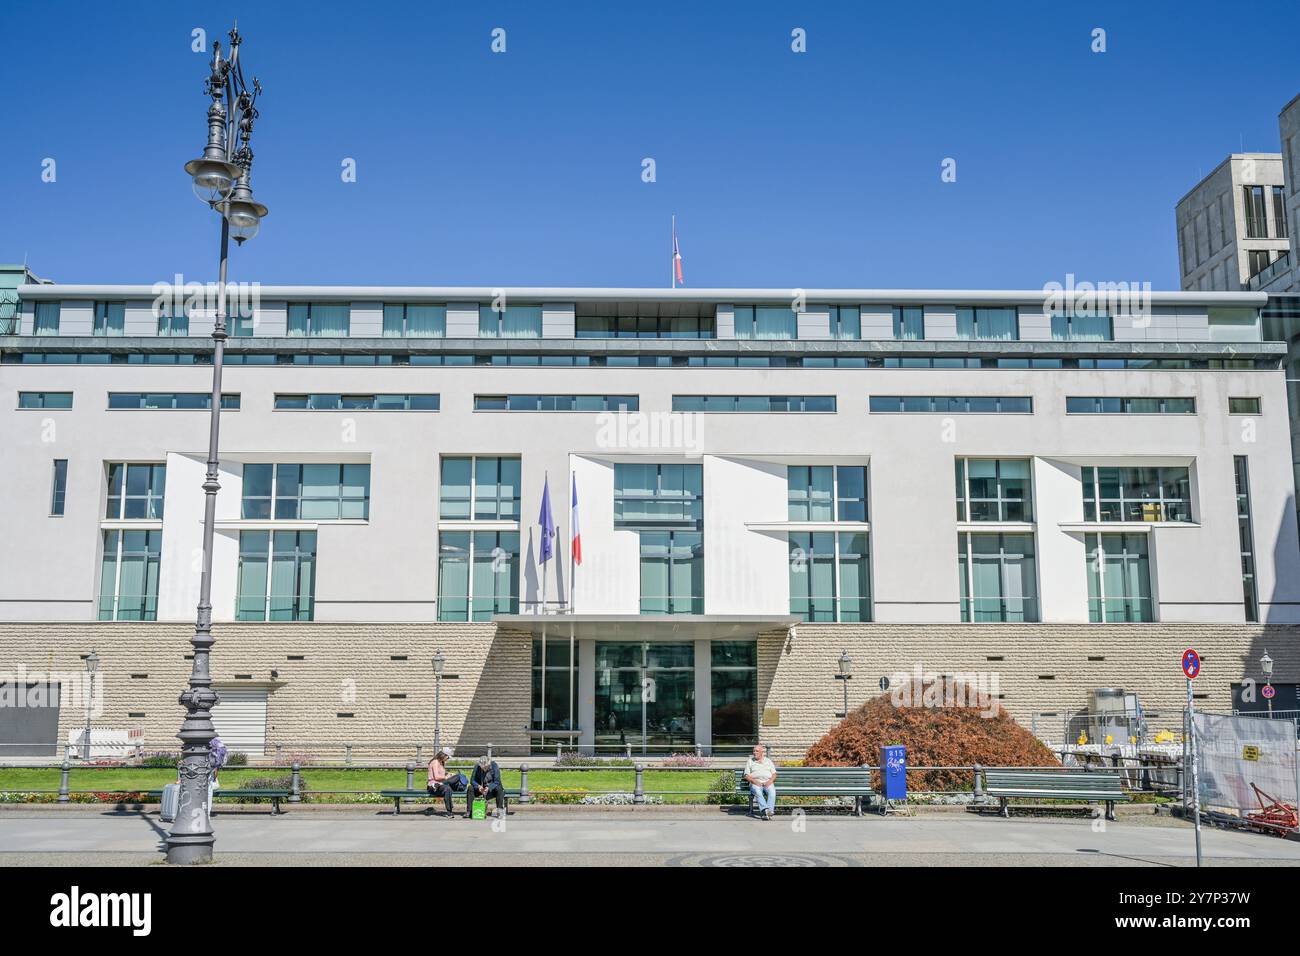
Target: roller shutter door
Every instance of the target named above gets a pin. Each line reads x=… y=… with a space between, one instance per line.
x=240 y=719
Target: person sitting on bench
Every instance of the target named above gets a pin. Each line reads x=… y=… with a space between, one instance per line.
x=485 y=783
x=760 y=774
x=439 y=783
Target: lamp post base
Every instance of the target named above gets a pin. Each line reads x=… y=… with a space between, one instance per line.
x=189 y=849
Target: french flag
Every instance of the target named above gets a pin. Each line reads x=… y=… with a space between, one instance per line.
x=677 y=255
x=573 y=523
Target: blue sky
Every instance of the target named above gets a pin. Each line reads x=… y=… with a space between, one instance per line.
x=805 y=170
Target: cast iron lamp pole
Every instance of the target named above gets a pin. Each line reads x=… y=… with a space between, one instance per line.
x=221 y=179
x=92 y=665
x=439 y=662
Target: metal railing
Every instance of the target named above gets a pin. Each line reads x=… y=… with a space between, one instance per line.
x=1270 y=272
x=1134 y=776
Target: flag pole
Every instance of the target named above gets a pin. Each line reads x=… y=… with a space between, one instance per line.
x=672 y=255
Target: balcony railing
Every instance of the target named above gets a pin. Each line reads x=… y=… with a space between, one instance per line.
x=1270 y=272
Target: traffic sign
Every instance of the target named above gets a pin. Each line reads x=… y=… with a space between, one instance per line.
x=1269 y=691
x=1191 y=663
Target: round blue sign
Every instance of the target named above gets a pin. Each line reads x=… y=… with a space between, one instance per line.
x=1191 y=663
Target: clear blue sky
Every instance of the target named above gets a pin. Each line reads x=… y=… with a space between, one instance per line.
x=786 y=170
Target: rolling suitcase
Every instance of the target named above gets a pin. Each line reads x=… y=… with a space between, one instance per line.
x=171 y=794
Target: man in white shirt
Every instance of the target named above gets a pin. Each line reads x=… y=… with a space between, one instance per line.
x=760 y=774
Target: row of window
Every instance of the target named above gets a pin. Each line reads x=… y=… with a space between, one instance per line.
x=478 y=570
x=630 y=361
x=877 y=404
x=429 y=320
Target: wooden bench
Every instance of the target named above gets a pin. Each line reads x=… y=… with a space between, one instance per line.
x=1091 y=786
x=397 y=796
x=275 y=796
x=852 y=782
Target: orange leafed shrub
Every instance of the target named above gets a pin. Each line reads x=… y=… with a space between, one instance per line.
x=942 y=724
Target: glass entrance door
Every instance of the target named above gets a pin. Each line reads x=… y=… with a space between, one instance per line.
x=645 y=697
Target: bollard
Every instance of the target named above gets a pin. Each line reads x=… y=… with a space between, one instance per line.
x=410 y=775
x=559 y=752
x=699 y=750
x=348 y=750
x=638 y=794
x=979 y=785
x=489 y=750
x=295 y=785
x=523 y=783
x=629 y=751
x=63 y=781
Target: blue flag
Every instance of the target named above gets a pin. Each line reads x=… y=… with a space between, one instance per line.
x=547 y=521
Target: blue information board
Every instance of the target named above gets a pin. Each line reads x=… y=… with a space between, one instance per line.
x=893 y=771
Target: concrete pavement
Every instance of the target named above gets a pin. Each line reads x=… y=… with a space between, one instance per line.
x=709 y=837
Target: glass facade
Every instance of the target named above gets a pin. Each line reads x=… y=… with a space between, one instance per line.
x=994 y=489
x=306 y=492
x=645 y=697
x=135 y=491
x=733 y=690
x=478 y=574
x=1082 y=327
x=827 y=492
x=599 y=323
x=830 y=576
x=765 y=322
x=998 y=324
x=672 y=572
x=109 y=318
x=1119 y=578
x=319 y=319
x=555 y=689
x=510 y=322
x=909 y=323
x=998 y=577
x=845 y=321
x=277 y=576
x=413 y=320
x=483 y=488
x=1136 y=494
x=128 y=579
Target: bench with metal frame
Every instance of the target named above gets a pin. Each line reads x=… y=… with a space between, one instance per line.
x=852 y=782
x=274 y=795
x=397 y=796
x=1090 y=786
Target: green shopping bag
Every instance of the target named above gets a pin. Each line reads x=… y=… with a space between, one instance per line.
x=479 y=810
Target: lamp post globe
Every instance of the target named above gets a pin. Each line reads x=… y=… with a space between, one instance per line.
x=1266 y=665
x=213 y=179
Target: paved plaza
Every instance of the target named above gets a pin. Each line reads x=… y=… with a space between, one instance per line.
x=649 y=836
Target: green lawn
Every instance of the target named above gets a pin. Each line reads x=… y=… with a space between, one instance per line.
x=319 y=779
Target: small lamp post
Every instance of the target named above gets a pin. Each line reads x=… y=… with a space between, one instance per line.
x=92 y=665
x=845 y=675
x=439 y=662
x=1266 y=665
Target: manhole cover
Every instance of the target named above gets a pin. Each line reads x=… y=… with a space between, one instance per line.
x=758 y=859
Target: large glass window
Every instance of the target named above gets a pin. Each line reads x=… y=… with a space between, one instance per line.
x=128 y=581
x=1098 y=405
x=510 y=322
x=765 y=322
x=319 y=319
x=1246 y=536
x=1001 y=324
x=135 y=491
x=44 y=399
x=1082 y=327
x=173 y=322
x=998 y=577
x=909 y=323
x=555 y=686
x=610 y=322
x=672 y=572
x=47 y=318
x=556 y=403
x=645 y=696
x=59 y=487
x=482 y=488
x=478 y=574
x=827 y=492
x=951 y=404
x=306 y=492
x=1119 y=578
x=109 y=318
x=830 y=576
x=411 y=319
x=733 y=685
x=1136 y=494
x=654 y=495
x=753 y=403
x=277 y=576
x=994 y=489
x=1256 y=215
x=845 y=321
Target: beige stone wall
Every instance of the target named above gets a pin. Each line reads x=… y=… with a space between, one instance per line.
x=350 y=669
x=1040 y=667
x=346 y=669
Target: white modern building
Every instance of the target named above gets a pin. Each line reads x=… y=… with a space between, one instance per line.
x=1064 y=493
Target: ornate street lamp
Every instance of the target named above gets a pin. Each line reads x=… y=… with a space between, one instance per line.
x=439 y=662
x=221 y=179
x=92 y=665
x=845 y=675
x=1266 y=665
